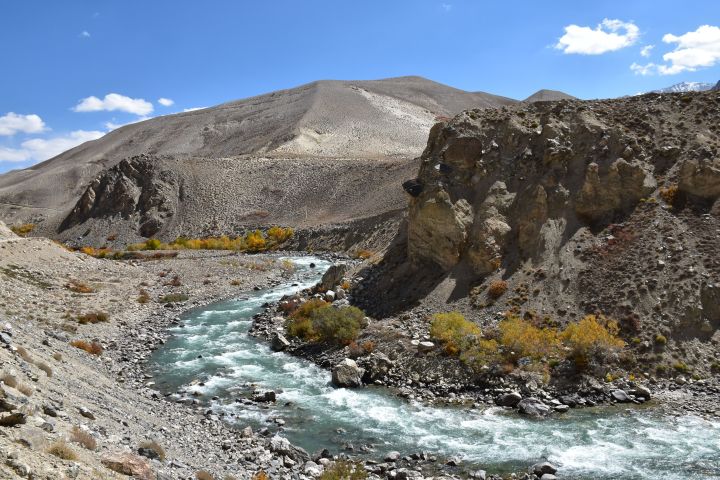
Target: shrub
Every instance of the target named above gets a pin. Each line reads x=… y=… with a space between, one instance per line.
x=591 y=337
x=453 y=330
x=204 y=475
x=62 y=450
x=23 y=229
x=152 y=244
x=80 y=436
x=522 y=339
x=45 y=368
x=92 y=317
x=261 y=475
x=681 y=367
x=670 y=194
x=497 y=288
x=155 y=447
x=339 y=326
x=174 y=298
x=24 y=354
x=9 y=380
x=344 y=470
x=25 y=389
x=364 y=254
x=255 y=241
x=143 y=296
x=79 y=287
x=93 y=348
x=660 y=339
x=279 y=235
x=299 y=324
x=481 y=353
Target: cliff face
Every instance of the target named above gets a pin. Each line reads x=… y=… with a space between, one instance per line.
x=600 y=207
x=519 y=182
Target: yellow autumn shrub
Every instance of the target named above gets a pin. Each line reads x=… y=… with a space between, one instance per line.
x=522 y=339
x=453 y=330
x=591 y=337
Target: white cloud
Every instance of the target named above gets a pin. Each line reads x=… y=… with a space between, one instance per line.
x=646 y=51
x=647 y=69
x=609 y=36
x=114 y=102
x=12 y=123
x=193 y=109
x=13 y=155
x=39 y=149
x=446 y=6
x=694 y=50
x=165 y=102
x=85 y=34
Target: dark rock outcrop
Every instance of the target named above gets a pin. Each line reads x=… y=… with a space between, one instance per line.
x=139 y=188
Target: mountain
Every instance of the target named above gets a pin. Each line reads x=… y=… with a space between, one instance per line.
x=548 y=96
x=717 y=86
x=317 y=154
x=686 y=87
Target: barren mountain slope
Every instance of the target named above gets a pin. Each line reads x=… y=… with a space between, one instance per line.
x=548 y=96
x=604 y=207
x=363 y=121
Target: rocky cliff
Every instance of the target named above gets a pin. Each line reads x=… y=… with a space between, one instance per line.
x=579 y=206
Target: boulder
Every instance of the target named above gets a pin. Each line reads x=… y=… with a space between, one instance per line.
x=425 y=347
x=279 y=342
x=700 y=178
x=130 y=465
x=347 y=374
x=377 y=366
x=508 y=399
x=533 y=407
x=333 y=276
x=17 y=418
x=264 y=397
x=544 y=468
x=641 y=391
x=620 y=396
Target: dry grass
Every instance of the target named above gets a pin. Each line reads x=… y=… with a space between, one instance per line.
x=9 y=380
x=24 y=354
x=22 y=230
x=80 y=436
x=261 y=475
x=155 y=447
x=45 y=368
x=25 y=389
x=93 y=348
x=58 y=356
x=204 y=475
x=143 y=296
x=92 y=318
x=79 y=287
x=62 y=450
x=497 y=288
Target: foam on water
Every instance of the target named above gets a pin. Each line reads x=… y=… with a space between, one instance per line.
x=615 y=443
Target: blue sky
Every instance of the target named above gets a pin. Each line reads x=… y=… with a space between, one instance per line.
x=73 y=70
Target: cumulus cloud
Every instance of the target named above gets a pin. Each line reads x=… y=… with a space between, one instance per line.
x=693 y=50
x=165 y=102
x=39 y=149
x=12 y=123
x=609 y=36
x=115 y=102
x=85 y=34
x=646 y=51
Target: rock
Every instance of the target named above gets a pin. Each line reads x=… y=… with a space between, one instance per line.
x=641 y=391
x=425 y=347
x=620 y=396
x=508 y=399
x=329 y=296
x=148 y=453
x=406 y=473
x=393 y=456
x=129 y=464
x=86 y=413
x=700 y=178
x=340 y=293
x=13 y=419
x=548 y=476
x=247 y=432
x=413 y=187
x=347 y=374
x=279 y=342
x=49 y=410
x=533 y=407
x=333 y=276
x=544 y=468
x=313 y=469
x=263 y=397
x=377 y=366
x=479 y=474
x=561 y=408
x=282 y=446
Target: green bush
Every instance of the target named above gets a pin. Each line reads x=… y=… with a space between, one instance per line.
x=152 y=244
x=453 y=330
x=337 y=325
x=344 y=470
x=299 y=323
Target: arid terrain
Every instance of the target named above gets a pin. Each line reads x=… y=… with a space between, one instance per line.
x=536 y=257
